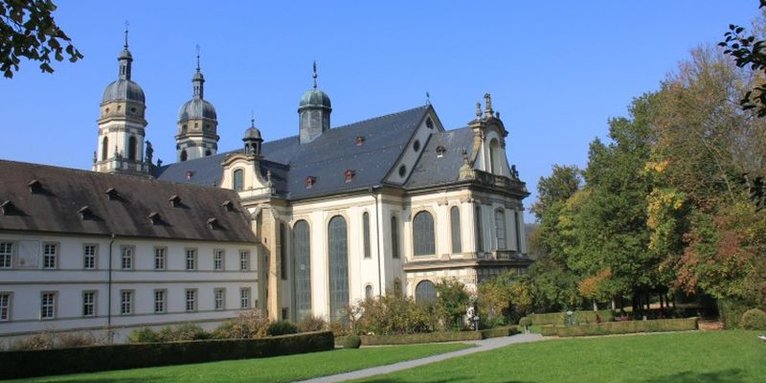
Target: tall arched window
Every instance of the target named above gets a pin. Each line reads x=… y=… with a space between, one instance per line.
x=425 y=292
x=500 y=229
x=479 y=229
x=184 y=156
x=337 y=244
x=394 y=237
x=368 y=291
x=494 y=156
x=366 y=234
x=302 y=269
x=132 y=148
x=237 y=178
x=104 y=148
x=454 y=215
x=423 y=234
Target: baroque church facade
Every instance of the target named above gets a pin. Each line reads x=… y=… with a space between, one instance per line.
x=297 y=226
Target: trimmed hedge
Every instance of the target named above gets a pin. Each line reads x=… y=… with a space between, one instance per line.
x=625 y=327
x=435 y=337
x=24 y=364
x=579 y=317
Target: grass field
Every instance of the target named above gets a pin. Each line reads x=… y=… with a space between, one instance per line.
x=720 y=357
x=278 y=369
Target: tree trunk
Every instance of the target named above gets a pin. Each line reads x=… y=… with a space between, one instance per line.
x=595 y=306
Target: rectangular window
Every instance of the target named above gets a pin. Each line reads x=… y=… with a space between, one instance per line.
x=89 y=257
x=244 y=297
x=500 y=229
x=159 y=258
x=49 y=255
x=219 y=296
x=126 y=302
x=48 y=305
x=191 y=259
x=5 y=307
x=6 y=254
x=191 y=299
x=366 y=234
x=218 y=257
x=244 y=260
x=88 y=303
x=283 y=251
x=394 y=238
x=479 y=230
x=160 y=302
x=126 y=259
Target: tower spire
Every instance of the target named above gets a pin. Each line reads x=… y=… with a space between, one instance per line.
x=198 y=80
x=315 y=74
x=127 y=24
x=197 y=57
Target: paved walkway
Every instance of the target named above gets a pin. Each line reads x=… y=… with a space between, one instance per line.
x=483 y=345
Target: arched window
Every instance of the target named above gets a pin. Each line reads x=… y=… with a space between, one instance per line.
x=423 y=233
x=238 y=180
x=337 y=243
x=366 y=234
x=517 y=217
x=284 y=267
x=495 y=155
x=132 y=148
x=208 y=152
x=479 y=229
x=500 y=229
x=184 y=156
x=394 y=237
x=454 y=214
x=302 y=269
x=368 y=291
x=425 y=292
x=104 y=148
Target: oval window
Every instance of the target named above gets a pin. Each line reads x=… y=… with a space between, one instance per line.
x=416 y=145
x=402 y=171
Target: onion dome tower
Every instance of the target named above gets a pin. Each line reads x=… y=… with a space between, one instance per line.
x=197 y=123
x=253 y=140
x=121 y=123
x=314 y=111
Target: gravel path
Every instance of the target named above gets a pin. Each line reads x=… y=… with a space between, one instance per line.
x=482 y=345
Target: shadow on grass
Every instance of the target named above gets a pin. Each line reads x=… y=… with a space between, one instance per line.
x=95 y=379
x=450 y=380
x=724 y=376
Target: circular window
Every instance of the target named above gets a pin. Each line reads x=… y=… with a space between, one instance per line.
x=416 y=145
x=132 y=110
x=402 y=171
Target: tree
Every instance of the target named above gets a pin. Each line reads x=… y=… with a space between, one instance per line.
x=28 y=30
x=452 y=302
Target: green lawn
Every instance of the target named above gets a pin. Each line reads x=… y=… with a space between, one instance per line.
x=721 y=357
x=278 y=369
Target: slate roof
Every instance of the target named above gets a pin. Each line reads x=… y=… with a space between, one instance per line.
x=57 y=205
x=433 y=170
x=326 y=158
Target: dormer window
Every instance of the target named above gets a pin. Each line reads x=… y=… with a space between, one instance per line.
x=85 y=213
x=440 y=150
x=175 y=200
x=155 y=218
x=8 y=208
x=112 y=194
x=310 y=181
x=348 y=175
x=189 y=175
x=228 y=205
x=359 y=140
x=213 y=224
x=35 y=186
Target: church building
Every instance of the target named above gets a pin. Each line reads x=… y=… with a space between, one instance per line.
x=295 y=226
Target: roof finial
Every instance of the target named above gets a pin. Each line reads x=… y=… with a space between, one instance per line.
x=252 y=119
x=428 y=98
x=127 y=24
x=478 y=111
x=315 y=74
x=197 y=57
x=488 y=104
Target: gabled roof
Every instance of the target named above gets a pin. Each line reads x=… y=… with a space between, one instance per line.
x=432 y=169
x=69 y=201
x=326 y=158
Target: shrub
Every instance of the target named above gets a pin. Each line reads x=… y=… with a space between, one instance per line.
x=40 y=341
x=282 y=327
x=730 y=312
x=525 y=322
x=432 y=337
x=249 y=324
x=754 y=319
x=352 y=341
x=624 y=327
x=76 y=339
x=394 y=314
x=451 y=303
x=311 y=323
x=143 y=335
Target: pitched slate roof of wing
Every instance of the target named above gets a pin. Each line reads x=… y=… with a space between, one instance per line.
x=326 y=158
x=434 y=170
x=125 y=211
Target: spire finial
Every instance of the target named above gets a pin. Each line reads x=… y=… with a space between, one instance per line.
x=428 y=98
x=252 y=119
x=478 y=111
x=127 y=24
x=488 y=104
x=197 y=57
x=315 y=74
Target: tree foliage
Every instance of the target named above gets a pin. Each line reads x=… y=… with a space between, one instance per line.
x=28 y=30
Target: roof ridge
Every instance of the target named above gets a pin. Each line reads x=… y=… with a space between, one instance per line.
x=383 y=116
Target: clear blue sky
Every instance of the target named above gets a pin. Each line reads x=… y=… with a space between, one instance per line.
x=557 y=71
